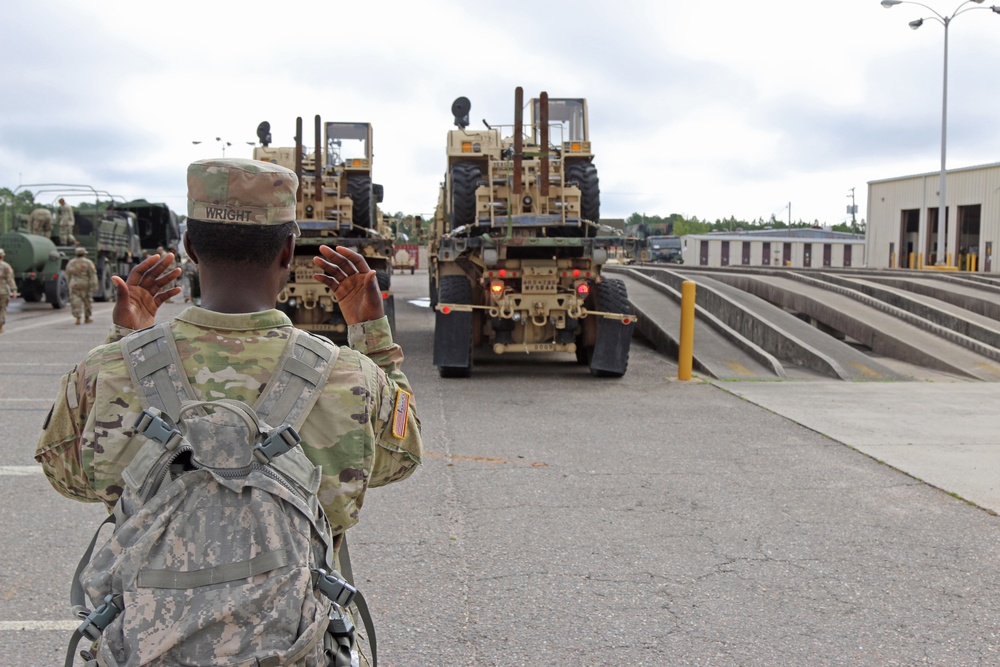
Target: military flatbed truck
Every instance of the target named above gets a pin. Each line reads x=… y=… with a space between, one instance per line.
x=516 y=263
x=336 y=204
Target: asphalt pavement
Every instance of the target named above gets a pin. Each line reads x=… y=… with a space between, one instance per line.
x=560 y=519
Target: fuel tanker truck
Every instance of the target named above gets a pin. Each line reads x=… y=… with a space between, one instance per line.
x=518 y=251
x=38 y=267
x=336 y=204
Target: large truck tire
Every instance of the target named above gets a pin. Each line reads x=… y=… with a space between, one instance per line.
x=432 y=290
x=464 y=181
x=359 y=187
x=609 y=358
x=384 y=279
x=453 y=331
x=57 y=291
x=105 y=287
x=584 y=175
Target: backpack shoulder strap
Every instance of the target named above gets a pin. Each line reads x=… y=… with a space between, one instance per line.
x=297 y=381
x=155 y=368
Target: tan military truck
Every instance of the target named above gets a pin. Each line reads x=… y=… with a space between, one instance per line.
x=518 y=250
x=336 y=204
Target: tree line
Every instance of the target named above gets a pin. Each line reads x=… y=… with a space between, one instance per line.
x=675 y=224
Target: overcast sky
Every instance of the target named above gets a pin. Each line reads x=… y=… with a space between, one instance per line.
x=704 y=108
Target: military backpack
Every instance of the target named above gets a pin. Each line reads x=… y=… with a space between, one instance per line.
x=221 y=554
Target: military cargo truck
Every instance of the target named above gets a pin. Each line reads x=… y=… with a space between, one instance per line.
x=336 y=204
x=38 y=262
x=516 y=263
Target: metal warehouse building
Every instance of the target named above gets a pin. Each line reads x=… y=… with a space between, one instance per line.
x=797 y=248
x=903 y=220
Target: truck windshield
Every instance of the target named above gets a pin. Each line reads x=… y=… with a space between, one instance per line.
x=664 y=243
x=346 y=141
x=568 y=113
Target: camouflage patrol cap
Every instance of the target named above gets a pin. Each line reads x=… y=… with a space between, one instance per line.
x=241 y=191
x=3 y=253
x=81 y=251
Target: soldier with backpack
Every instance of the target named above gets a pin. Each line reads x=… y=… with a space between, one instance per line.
x=217 y=438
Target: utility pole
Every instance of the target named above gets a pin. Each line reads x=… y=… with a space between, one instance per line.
x=853 y=210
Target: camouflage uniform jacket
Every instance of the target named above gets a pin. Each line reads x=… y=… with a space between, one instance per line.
x=82 y=274
x=66 y=217
x=7 y=284
x=363 y=430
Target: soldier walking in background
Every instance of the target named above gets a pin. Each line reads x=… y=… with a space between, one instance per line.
x=40 y=222
x=82 y=276
x=188 y=278
x=8 y=288
x=66 y=222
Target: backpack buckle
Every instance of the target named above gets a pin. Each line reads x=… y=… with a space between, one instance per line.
x=99 y=619
x=154 y=427
x=277 y=442
x=333 y=586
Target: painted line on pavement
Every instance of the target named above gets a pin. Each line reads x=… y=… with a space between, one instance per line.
x=39 y=625
x=16 y=471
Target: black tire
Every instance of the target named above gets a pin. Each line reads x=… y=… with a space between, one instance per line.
x=57 y=291
x=432 y=290
x=359 y=187
x=609 y=358
x=383 y=278
x=584 y=175
x=464 y=181
x=453 y=332
x=105 y=288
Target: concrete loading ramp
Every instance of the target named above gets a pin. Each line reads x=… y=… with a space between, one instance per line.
x=944 y=314
x=885 y=329
x=719 y=352
x=974 y=296
x=774 y=330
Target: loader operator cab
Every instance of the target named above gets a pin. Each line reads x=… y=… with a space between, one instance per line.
x=349 y=144
x=566 y=113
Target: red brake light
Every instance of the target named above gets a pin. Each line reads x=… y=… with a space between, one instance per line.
x=445 y=309
x=576 y=273
x=385 y=295
x=583 y=289
x=503 y=273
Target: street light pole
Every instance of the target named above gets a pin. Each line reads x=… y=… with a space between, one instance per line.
x=225 y=144
x=945 y=21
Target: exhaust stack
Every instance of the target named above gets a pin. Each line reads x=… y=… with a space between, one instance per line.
x=518 y=184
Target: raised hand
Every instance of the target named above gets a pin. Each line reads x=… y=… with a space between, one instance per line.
x=353 y=283
x=142 y=294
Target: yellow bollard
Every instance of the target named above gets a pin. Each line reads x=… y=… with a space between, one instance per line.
x=949 y=260
x=920 y=261
x=912 y=262
x=686 y=352
x=972 y=262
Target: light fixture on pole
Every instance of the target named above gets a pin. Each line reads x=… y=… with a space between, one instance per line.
x=942 y=247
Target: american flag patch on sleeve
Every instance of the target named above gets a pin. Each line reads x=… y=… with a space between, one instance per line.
x=400 y=413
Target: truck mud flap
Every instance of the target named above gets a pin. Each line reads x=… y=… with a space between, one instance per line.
x=453 y=344
x=610 y=355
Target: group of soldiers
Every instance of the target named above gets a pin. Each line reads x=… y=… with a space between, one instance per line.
x=40 y=223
